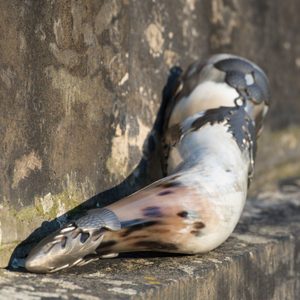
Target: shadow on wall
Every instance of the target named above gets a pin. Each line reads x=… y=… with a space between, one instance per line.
x=148 y=170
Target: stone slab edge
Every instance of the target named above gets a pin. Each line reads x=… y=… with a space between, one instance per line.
x=261 y=260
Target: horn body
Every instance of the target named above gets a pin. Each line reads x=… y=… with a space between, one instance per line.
x=209 y=141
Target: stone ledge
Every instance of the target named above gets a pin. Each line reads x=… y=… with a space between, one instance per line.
x=261 y=260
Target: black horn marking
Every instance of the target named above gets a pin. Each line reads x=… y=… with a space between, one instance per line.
x=106 y=244
x=152 y=211
x=183 y=214
x=164 y=193
x=138 y=227
x=154 y=245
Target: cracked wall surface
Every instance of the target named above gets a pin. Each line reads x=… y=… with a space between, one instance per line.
x=81 y=83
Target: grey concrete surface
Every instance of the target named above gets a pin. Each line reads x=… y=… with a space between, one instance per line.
x=261 y=260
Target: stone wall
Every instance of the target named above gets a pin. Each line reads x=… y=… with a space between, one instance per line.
x=81 y=83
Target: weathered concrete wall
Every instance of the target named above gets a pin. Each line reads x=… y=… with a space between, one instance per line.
x=81 y=82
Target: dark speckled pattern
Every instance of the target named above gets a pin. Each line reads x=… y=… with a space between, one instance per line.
x=236 y=70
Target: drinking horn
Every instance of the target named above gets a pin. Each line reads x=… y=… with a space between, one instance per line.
x=209 y=145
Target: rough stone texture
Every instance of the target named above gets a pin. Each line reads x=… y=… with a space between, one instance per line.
x=80 y=87
x=261 y=260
